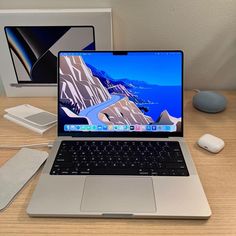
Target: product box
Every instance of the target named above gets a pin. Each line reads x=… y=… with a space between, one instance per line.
x=31 y=39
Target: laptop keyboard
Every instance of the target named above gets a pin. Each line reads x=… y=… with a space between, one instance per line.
x=120 y=158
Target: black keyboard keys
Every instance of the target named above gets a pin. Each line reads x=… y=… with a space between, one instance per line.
x=153 y=158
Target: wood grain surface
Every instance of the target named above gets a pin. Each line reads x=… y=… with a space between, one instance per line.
x=217 y=173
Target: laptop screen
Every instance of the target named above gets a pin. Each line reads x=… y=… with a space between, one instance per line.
x=120 y=93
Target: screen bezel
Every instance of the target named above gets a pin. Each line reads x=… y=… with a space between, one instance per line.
x=122 y=134
x=39 y=26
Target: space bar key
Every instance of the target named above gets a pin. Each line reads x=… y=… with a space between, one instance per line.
x=114 y=171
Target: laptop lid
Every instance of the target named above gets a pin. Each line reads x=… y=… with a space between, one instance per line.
x=120 y=93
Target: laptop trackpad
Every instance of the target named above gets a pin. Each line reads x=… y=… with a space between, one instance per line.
x=118 y=194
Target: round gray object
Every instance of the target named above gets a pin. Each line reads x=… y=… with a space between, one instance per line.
x=209 y=101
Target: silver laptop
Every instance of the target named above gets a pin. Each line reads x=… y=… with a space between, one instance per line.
x=120 y=150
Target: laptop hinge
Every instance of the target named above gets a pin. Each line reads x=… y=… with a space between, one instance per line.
x=174 y=138
x=168 y=137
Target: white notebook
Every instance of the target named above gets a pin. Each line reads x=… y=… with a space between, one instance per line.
x=30 y=117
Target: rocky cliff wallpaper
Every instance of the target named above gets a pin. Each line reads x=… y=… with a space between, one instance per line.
x=103 y=89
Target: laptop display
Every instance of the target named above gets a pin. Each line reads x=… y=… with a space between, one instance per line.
x=34 y=49
x=122 y=92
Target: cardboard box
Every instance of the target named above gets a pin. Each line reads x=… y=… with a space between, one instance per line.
x=31 y=39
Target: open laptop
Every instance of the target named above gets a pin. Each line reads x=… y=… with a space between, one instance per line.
x=120 y=150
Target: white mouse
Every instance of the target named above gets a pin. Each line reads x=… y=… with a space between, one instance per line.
x=211 y=143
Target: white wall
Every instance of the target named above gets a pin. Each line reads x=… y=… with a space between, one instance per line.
x=204 y=29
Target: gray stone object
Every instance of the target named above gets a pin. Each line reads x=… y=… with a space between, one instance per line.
x=210 y=102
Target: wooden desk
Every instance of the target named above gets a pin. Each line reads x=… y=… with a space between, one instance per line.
x=217 y=173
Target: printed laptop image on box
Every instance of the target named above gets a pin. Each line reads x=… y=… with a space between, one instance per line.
x=120 y=92
x=34 y=49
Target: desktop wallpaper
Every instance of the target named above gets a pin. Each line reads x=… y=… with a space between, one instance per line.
x=134 y=92
x=34 y=49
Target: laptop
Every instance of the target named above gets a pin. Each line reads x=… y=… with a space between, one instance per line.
x=120 y=150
